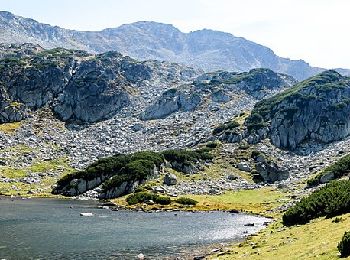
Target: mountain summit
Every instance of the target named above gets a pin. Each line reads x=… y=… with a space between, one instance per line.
x=206 y=49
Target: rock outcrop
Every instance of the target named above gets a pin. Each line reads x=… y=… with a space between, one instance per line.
x=221 y=86
x=316 y=109
x=78 y=86
x=171 y=101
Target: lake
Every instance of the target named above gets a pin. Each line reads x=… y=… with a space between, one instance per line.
x=54 y=229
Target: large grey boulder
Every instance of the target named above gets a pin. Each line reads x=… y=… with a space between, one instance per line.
x=170 y=179
x=244 y=166
x=270 y=172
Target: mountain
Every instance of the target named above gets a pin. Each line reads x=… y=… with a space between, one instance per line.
x=314 y=110
x=216 y=89
x=78 y=86
x=88 y=88
x=206 y=49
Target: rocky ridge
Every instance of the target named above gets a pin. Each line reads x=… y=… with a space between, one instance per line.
x=314 y=110
x=206 y=49
x=79 y=86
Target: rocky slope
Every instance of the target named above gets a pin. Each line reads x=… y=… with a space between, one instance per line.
x=206 y=49
x=315 y=110
x=217 y=89
x=85 y=88
x=78 y=86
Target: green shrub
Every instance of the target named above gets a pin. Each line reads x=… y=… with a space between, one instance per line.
x=156 y=158
x=344 y=245
x=339 y=169
x=141 y=197
x=187 y=156
x=256 y=154
x=162 y=200
x=331 y=200
x=225 y=126
x=104 y=166
x=186 y=201
x=212 y=145
x=133 y=167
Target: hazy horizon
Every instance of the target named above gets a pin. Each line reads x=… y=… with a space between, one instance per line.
x=312 y=30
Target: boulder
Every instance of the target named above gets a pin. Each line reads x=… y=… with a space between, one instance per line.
x=327 y=177
x=170 y=179
x=270 y=172
x=244 y=166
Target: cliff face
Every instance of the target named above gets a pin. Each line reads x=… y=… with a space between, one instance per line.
x=87 y=88
x=76 y=85
x=316 y=109
x=217 y=88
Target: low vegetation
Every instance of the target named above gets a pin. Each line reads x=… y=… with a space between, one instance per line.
x=9 y=128
x=338 y=169
x=329 y=201
x=188 y=156
x=186 y=201
x=344 y=245
x=147 y=197
x=225 y=127
x=134 y=167
x=315 y=240
x=258 y=201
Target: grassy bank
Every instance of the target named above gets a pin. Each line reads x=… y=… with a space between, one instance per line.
x=317 y=239
x=258 y=201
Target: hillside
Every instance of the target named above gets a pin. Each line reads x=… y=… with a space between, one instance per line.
x=313 y=110
x=206 y=49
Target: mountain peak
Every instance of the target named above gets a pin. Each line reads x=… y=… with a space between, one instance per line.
x=6 y=14
x=206 y=49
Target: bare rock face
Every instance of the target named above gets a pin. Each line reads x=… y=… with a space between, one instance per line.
x=171 y=101
x=316 y=109
x=221 y=85
x=96 y=91
x=78 y=86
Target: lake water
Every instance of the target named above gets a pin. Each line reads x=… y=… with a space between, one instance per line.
x=54 y=229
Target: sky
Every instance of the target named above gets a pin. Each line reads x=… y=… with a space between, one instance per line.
x=316 y=31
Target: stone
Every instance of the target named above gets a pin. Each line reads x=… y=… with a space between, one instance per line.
x=327 y=177
x=271 y=172
x=311 y=114
x=86 y=214
x=244 y=166
x=170 y=179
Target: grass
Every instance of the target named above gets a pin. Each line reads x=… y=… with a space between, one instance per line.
x=9 y=128
x=19 y=149
x=42 y=189
x=10 y=172
x=52 y=165
x=317 y=239
x=257 y=201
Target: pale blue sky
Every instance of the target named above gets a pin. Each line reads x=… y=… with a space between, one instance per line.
x=314 y=30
